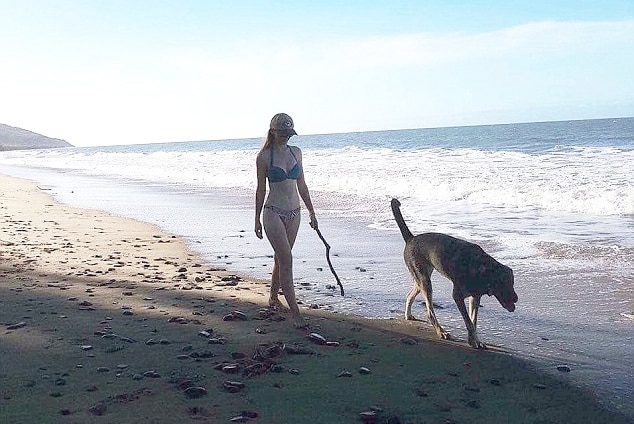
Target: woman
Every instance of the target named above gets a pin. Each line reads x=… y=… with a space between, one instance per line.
x=281 y=164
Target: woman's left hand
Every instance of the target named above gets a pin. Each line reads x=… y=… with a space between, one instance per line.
x=313 y=222
x=258 y=229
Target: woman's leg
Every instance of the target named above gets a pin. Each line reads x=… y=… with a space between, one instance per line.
x=282 y=237
x=292 y=227
x=274 y=300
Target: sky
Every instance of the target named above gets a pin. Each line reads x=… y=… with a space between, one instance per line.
x=109 y=72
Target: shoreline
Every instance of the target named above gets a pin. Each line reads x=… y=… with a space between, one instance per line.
x=106 y=318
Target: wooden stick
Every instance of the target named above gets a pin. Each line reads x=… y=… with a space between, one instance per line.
x=328 y=259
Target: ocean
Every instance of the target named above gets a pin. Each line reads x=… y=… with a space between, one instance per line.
x=552 y=200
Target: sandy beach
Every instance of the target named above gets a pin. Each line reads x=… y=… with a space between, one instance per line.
x=105 y=319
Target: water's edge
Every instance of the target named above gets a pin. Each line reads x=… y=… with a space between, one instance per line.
x=218 y=225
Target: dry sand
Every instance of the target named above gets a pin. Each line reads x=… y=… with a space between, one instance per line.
x=109 y=320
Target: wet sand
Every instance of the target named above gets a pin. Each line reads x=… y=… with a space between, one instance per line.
x=106 y=319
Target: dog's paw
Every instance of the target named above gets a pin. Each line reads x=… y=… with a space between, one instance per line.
x=477 y=344
x=445 y=336
x=411 y=318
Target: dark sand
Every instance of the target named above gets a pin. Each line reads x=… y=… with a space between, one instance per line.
x=105 y=319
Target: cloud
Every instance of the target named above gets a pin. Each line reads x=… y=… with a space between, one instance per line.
x=226 y=90
x=272 y=65
x=442 y=49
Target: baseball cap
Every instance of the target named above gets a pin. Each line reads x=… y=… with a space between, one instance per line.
x=283 y=122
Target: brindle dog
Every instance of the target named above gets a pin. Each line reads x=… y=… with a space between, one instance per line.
x=472 y=271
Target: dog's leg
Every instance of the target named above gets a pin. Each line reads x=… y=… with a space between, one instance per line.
x=459 y=298
x=431 y=316
x=425 y=284
x=416 y=289
x=474 y=303
x=410 y=300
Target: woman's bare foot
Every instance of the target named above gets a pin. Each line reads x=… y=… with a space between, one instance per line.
x=276 y=304
x=300 y=323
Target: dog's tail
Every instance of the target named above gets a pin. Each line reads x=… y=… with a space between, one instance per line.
x=396 y=210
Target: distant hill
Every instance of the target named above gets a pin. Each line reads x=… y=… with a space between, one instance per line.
x=12 y=138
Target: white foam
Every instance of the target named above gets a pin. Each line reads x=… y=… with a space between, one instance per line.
x=521 y=198
x=586 y=181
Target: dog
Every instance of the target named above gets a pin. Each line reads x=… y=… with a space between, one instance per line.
x=472 y=272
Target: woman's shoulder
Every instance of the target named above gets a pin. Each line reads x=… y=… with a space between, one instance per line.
x=296 y=150
x=263 y=155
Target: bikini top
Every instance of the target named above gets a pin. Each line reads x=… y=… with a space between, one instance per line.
x=277 y=174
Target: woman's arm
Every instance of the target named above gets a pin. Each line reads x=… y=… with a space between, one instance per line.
x=302 y=188
x=260 y=193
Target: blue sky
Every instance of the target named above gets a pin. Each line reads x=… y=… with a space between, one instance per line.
x=118 y=72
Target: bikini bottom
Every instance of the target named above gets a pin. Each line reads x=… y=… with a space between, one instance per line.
x=285 y=215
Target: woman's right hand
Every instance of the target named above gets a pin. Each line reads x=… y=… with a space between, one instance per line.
x=258 y=229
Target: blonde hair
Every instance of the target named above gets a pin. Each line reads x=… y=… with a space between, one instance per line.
x=268 y=141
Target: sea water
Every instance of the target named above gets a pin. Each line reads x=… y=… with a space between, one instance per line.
x=554 y=201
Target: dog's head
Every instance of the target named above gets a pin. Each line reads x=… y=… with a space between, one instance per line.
x=503 y=289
